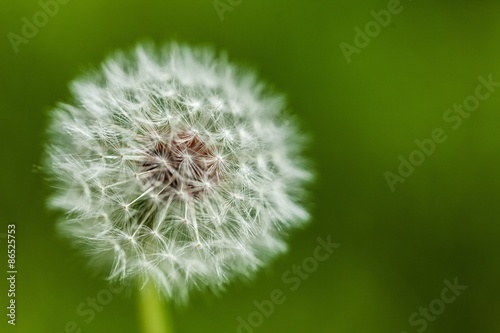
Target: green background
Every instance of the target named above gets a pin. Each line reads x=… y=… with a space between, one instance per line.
x=396 y=249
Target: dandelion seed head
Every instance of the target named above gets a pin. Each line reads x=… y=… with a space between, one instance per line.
x=175 y=166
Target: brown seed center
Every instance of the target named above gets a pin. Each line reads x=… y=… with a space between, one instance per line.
x=181 y=166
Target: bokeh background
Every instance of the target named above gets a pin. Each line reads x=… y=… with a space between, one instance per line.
x=397 y=247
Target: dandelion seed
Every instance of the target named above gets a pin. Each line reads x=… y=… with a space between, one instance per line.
x=176 y=167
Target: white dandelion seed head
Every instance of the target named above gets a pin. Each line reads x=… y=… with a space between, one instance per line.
x=175 y=166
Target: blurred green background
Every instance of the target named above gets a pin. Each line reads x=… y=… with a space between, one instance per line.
x=397 y=247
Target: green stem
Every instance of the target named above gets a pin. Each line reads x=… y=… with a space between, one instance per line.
x=153 y=313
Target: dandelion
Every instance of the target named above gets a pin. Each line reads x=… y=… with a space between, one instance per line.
x=175 y=167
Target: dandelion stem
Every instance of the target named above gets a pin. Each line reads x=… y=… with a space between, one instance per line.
x=153 y=313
